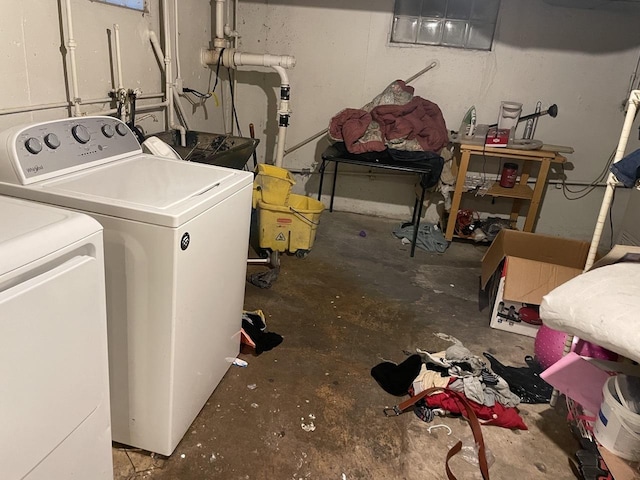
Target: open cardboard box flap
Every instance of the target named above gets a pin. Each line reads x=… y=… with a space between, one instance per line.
x=619 y=253
x=536 y=264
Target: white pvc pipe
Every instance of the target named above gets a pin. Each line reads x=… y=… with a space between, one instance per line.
x=152 y=106
x=120 y=91
x=71 y=45
x=50 y=106
x=262 y=60
x=219 y=41
x=150 y=95
x=176 y=39
x=167 y=61
x=105 y=113
x=232 y=59
x=634 y=99
x=168 y=77
x=153 y=38
x=139 y=108
x=234 y=44
x=116 y=29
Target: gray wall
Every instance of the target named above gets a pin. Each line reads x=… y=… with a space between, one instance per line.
x=580 y=59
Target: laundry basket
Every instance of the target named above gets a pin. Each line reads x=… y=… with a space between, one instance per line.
x=289 y=228
x=272 y=184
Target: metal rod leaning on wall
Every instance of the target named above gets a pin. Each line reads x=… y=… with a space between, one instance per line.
x=319 y=134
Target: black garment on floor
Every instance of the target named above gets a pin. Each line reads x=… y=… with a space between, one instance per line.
x=396 y=379
x=264 y=340
x=523 y=381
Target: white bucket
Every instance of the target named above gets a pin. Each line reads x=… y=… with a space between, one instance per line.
x=509 y=115
x=617 y=428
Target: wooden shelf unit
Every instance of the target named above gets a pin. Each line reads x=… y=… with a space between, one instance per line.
x=519 y=193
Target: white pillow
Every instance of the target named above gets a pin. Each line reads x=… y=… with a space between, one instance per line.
x=601 y=306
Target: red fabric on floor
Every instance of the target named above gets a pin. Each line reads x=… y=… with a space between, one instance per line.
x=498 y=415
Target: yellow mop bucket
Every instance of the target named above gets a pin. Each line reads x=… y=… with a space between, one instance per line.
x=289 y=228
x=272 y=185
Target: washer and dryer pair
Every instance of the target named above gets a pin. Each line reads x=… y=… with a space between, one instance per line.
x=175 y=248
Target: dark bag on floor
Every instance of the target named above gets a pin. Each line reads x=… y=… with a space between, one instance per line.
x=523 y=381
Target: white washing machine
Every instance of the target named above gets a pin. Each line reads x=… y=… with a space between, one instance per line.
x=176 y=239
x=54 y=384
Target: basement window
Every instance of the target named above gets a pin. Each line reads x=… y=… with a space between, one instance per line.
x=133 y=4
x=468 y=24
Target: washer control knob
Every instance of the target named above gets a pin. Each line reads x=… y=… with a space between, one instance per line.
x=33 y=145
x=52 y=140
x=122 y=129
x=81 y=134
x=108 y=131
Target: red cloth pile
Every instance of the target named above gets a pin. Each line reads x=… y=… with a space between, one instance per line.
x=418 y=124
x=498 y=415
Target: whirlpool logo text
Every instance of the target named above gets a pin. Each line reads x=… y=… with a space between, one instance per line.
x=35 y=169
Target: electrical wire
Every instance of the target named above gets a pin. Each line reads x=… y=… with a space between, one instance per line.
x=233 y=103
x=212 y=91
x=218 y=70
x=583 y=192
x=197 y=93
x=613 y=199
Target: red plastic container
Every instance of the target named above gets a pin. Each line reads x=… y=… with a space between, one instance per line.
x=509 y=175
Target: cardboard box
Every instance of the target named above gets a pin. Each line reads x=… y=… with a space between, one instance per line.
x=526 y=267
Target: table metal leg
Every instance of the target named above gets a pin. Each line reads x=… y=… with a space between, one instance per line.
x=333 y=188
x=417 y=213
x=322 y=167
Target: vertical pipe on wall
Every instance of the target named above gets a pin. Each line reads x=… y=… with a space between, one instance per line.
x=71 y=45
x=219 y=41
x=632 y=106
x=176 y=39
x=168 y=76
x=153 y=38
x=231 y=58
x=283 y=114
x=116 y=29
x=121 y=94
x=634 y=98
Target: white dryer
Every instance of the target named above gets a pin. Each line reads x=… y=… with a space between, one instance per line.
x=176 y=240
x=54 y=384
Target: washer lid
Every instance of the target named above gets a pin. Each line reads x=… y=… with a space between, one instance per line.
x=31 y=231
x=147 y=188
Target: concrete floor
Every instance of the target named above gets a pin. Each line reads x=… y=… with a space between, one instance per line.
x=354 y=301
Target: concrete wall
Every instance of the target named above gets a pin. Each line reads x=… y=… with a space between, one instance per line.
x=579 y=59
x=36 y=69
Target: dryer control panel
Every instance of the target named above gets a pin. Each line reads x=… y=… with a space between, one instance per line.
x=48 y=149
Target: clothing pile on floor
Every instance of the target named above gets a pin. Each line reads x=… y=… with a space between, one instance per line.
x=459 y=370
x=254 y=332
x=430 y=237
x=395 y=119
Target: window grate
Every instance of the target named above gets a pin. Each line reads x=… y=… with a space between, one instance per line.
x=468 y=24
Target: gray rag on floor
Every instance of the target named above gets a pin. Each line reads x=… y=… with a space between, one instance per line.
x=430 y=237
